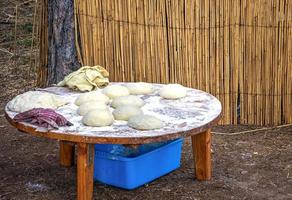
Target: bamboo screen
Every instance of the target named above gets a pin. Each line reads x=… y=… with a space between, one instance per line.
x=238 y=50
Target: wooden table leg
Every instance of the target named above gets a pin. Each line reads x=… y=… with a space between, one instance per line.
x=201 y=144
x=85 y=159
x=67 y=153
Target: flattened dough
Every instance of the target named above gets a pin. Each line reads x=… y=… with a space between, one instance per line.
x=91 y=105
x=145 y=122
x=35 y=99
x=98 y=118
x=91 y=96
x=140 y=88
x=127 y=100
x=173 y=91
x=126 y=111
x=114 y=91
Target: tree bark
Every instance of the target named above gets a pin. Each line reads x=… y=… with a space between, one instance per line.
x=62 y=53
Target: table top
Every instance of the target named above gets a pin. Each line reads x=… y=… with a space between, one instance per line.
x=183 y=117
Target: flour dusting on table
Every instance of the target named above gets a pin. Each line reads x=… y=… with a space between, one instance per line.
x=196 y=109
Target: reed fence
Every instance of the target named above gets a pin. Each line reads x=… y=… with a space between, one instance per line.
x=238 y=50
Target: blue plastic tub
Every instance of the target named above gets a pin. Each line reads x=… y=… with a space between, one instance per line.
x=128 y=168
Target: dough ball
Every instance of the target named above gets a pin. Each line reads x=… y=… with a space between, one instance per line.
x=140 y=88
x=35 y=99
x=98 y=117
x=145 y=122
x=114 y=91
x=127 y=100
x=126 y=111
x=173 y=91
x=91 y=105
x=91 y=96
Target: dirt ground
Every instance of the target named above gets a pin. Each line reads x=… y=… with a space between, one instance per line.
x=255 y=165
x=250 y=166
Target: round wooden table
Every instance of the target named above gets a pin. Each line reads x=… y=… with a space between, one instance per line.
x=193 y=115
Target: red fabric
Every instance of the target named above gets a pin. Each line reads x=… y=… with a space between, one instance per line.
x=43 y=117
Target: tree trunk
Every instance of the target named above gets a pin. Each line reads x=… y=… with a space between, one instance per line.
x=61 y=58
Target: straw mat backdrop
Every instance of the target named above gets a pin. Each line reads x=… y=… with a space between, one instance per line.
x=238 y=50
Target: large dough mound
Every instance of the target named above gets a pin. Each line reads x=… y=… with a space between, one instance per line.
x=140 y=88
x=127 y=100
x=98 y=118
x=91 y=96
x=125 y=112
x=173 y=91
x=35 y=99
x=114 y=91
x=91 y=105
x=145 y=122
